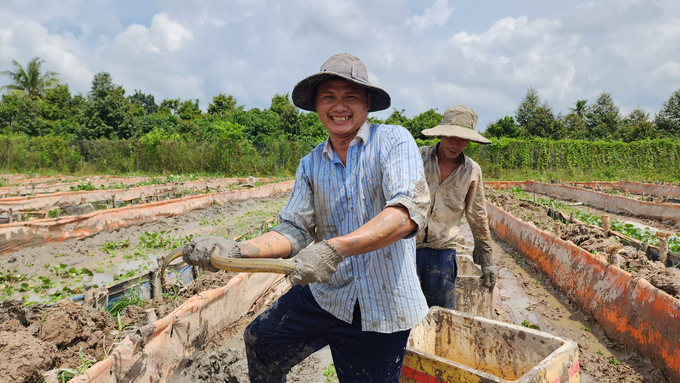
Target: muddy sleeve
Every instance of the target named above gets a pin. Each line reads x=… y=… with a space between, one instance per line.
x=296 y=220
x=475 y=212
x=403 y=179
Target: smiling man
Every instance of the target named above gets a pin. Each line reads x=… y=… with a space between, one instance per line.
x=456 y=187
x=360 y=197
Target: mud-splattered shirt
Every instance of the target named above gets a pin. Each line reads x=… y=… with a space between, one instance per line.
x=461 y=192
x=383 y=168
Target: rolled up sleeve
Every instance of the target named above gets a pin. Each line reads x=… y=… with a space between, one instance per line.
x=296 y=221
x=403 y=178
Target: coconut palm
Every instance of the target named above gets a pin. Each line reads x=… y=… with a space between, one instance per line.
x=30 y=81
x=580 y=107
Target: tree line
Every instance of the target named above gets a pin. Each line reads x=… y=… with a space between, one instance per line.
x=38 y=105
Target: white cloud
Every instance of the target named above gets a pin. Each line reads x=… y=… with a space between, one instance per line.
x=23 y=39
x=164 y=35
x=253 y=49
x=436 y=15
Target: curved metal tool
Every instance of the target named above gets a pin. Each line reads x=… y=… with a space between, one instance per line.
x=240 y=265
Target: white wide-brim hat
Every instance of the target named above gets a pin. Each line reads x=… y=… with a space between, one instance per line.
x=458 y=121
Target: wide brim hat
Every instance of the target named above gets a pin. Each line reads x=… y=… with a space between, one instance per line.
x=458 y=121
x=346 y=67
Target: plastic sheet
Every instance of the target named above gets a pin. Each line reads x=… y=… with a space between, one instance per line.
x=49 y=201
x=608 y=202
x=41 y=231
x=630 y=310
x=157 y=350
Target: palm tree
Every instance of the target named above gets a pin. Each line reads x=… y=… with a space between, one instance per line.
x=31 y=82
x=580 y=107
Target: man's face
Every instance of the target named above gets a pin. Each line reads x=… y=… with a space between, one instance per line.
x=342 y=107
x=452 y=147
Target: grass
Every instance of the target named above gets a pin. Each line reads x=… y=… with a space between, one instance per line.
x=330 y=374
x=131 y=298
x=527 y=324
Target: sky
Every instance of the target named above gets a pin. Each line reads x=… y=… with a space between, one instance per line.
x=425 y=54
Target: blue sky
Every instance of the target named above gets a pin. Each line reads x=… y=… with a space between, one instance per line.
x=426 y=54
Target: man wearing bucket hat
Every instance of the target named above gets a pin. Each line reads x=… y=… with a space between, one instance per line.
x=361 y=196
x=456 y=187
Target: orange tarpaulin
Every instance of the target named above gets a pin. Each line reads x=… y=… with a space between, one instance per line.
x=49 y=201
x=156 y=351
x=630 y=310
x=41 y=231
x=608 y=202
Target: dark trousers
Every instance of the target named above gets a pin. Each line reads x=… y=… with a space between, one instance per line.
x=295 y=326
x=437 y=270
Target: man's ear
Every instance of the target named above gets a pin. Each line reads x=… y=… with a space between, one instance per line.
x=368 y=99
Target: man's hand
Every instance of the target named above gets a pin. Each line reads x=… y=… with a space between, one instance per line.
x=317 y=263
x=489 y=276
x=197 y=252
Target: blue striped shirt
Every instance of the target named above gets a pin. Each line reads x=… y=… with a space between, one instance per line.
x=383 y=168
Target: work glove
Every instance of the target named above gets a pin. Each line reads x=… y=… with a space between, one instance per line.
x=489 y=277
x=317 y=263
x=197 y=252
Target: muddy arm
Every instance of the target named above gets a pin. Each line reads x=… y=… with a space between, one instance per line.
x=391 y=225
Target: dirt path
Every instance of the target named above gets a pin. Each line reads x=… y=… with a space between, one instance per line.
x=59 y=270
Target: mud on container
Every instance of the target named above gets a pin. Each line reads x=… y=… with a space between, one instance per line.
x=450 y=346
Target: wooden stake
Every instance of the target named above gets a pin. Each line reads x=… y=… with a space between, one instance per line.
x=605 y=223
x=663 y=245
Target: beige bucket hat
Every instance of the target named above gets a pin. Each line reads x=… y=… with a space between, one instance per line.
x=346 y=67
x=458 y=121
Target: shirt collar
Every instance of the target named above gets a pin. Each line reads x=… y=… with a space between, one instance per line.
x=362 y=135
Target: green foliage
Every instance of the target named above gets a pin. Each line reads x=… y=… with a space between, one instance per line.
x=107 y=113
x=145 y=100
x=667 y=120
x=330 y=375
x=30 y=81
x=130 y=298
x=602 y=118
x=426 y=120
x=188 y=110
x=504 y=127
x=599 y=159
x=527 y=324
x=536 y=119
x=222 y=105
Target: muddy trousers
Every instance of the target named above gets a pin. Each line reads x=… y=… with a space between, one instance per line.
x=437 y=270
x=295 y=326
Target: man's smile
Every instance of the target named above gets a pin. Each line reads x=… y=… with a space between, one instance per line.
x=340 y=118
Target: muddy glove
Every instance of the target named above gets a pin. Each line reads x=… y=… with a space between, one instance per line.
x=317 y=263
x=489 y=276
x=197 y=252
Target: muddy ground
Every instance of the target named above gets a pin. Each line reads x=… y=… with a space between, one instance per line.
x=61 y=269
x=36 y=338
x=525 y=296
x=594 y=241
x=31 y=337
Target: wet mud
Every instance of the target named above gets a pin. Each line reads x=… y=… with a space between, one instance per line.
x=524 y=297
x=224 y=360
x=63 y=335
x=111 y=256
x=594 y=241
